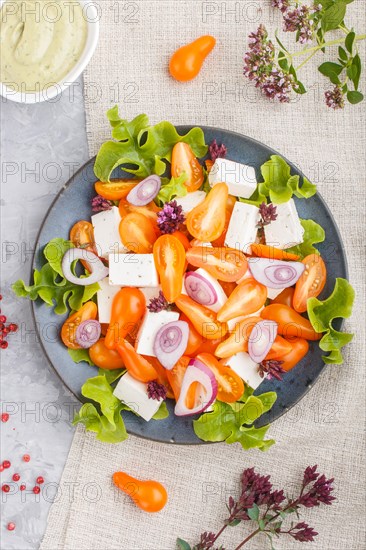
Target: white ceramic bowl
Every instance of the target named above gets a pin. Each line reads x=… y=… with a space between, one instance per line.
x=54 y=90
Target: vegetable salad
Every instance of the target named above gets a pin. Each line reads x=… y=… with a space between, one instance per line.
x=191 y=281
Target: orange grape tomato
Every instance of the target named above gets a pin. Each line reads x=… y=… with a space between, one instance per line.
x=285 y=297
x=68 y=331
x=170 y=263
x=203 y=319
x=162 y=374
x=206 y=221
x=186 y=62
x=137 y=233
x=228 y=287
x=82 y=235
x=184 y=161
x=311 y=282
x=137 y=366
x=247 y=298
x=220 y=241
x=115 y=189
x=209 y=346
x=104 y=358
x=209 y=164
x=230 y=385
x=238 y=339
x=194 y=338
x=182 y=238
x=290 y=323
x=267 y=251
x=150 y=496
x=280 y=347
x=128 y=307
x=150 y=211
x=300 y=347
x=176 y=375
x=223 y=263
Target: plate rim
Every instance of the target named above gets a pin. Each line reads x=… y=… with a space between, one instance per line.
x=182 y=128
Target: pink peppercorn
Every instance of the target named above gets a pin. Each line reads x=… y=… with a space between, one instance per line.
x=26 y=458
x=6 y=464
x=16 y=477
x=40 y=480
x=22 y=487
x=5 y=488
x=4 y=345
x=4 y=417
x=11 y=526
x=36 y=490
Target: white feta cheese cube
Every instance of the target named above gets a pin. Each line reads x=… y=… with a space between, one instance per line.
x=221 y=296
x=151 y=324
x=286 y=230
x=133 y=393
x=150 y=292
x=246 y=368
x=272 y=293
x=242 y=230
x=239 y=178
x=105 y=298
x=132 y=270
x=106 y=232
x=190 y=200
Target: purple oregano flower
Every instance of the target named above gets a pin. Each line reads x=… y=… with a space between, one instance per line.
x=170 y=217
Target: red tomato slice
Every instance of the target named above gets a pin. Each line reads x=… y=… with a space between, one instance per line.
x=225 y=264
x=311 y=282
x=184 y=160
x=230 y=385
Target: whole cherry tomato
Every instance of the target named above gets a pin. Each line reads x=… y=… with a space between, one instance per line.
x=137 y=366
x=87 y=312
x=290 y=323
x=203 y=319
x=170 y=263
x=285 y=297
x=247 y=298
x=206 y=221
x=105 y=358
x=184 y=161
x=280 y=347
x=150 y=495
x=223 y=263
x=186 y=62
x=128 y=307
x=238 y=339
x=116 y=189
x=162 y=374
x=176 y=375
x=300 y=347
x=137 y=233
x=194 y=338
x=220 y=241
x=311 y=282
x=230 y=385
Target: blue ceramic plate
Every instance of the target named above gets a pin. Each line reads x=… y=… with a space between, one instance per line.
x=73 y=204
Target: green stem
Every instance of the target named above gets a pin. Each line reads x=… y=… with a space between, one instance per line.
x=248 y=539
x=306 y=60
x=324 y=45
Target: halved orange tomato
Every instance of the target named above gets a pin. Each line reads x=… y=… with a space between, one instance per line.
x=115 y=189
x=206 y=221
x=184 y=161
x=223 y=263
x=311 y=282
x=230 y=385
x=68 y=331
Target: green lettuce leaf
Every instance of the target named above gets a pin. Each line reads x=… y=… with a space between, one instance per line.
x=162 y=412
x=108 y=423
x=140 y=148
x=111 y=375
x=50 y=286
x=279 y=185
x=79 y=355
x=314 y=233
x=172 y=188
x=321 y=314
x=233 y=422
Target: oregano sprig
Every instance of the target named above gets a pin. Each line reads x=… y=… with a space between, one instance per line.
x=275 y=71
x=267 y=509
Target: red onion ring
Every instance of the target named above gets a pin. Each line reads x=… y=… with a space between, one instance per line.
x=170 y=343
x=261 y=339
x=98 y=269
x=88 y=333
x=145 y=191
x=275 y=273
x=200 y=289
x=197 y=372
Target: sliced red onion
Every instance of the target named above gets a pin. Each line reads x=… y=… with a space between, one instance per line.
x=98 y=269
x=145 y=191
x=261 y=339
x=197 y=372
x=200 y=289
x=170 y=343
x=88 y=333
x=275 y=273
